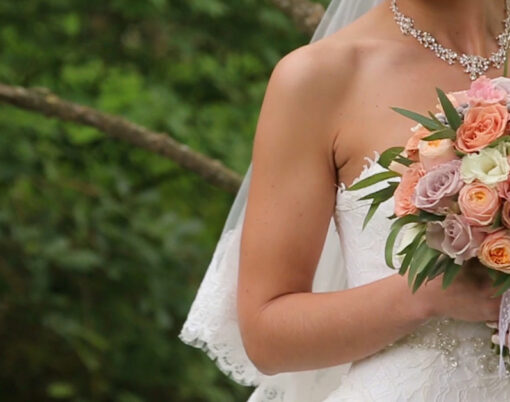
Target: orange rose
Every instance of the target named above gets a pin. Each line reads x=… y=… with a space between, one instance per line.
x=495 y=251
x=404 y=192
x=482 y=125
x=411 y=148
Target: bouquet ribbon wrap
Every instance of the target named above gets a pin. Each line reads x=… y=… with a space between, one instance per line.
x=504 y=324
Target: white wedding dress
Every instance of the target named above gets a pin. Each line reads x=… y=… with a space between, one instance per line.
x=444 y=360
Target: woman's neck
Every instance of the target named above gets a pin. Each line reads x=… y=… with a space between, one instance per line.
x=468 y=26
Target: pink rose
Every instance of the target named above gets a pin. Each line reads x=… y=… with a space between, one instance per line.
x=482 y=125
x=411 y=148
x=435 y=190
x=504 y=189
x=479 y=203
x=495 y=251
x=433 y=153
x=505 y=214
x=454 y=237
x=404 y=192
x=483 y=92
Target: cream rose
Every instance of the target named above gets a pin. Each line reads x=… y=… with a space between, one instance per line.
x=489 y=166
x=433 y=153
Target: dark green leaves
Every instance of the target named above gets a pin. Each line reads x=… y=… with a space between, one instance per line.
x=426 y=122
x=445 y=133
x=451 y=271
x=369 y=181
x=378 y=197
x=389 y=155
x=453 y=117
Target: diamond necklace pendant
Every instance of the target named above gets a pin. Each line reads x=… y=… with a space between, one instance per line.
x=474 y=65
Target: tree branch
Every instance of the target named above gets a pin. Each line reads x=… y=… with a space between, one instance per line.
x=306 y=14
x=47 y=103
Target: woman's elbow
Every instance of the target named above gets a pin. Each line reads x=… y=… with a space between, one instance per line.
x=258 y=350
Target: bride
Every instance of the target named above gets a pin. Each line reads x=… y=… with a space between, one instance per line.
x=298 y=300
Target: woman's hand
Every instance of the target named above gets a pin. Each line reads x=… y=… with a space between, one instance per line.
x=470 y=297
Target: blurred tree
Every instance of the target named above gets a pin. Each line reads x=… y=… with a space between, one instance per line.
x=103 y=245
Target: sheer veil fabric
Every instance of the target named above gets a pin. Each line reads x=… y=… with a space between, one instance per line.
x=212 y=323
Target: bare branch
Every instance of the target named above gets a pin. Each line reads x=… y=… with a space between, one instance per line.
x=306 y=14
x=47 y=103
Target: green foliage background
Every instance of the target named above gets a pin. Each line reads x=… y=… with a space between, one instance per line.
x=102 y=245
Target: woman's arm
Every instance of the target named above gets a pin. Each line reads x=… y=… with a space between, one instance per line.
x=291 y=199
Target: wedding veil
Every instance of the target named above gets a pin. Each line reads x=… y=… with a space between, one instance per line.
x=212 y=320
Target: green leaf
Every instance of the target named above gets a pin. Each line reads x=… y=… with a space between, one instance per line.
x=420 y=278
x=411 y=249
x=428 y=255
x=452 y=116
x=389 y=156
x=371 y=180
x=403 y=160
x=433 y=117
x=445 y=133
x=423 y=120
x=498 y=141
x=382 y=195
x=370 y=213
x=450 y=273
x=504 y=287
x=394 y=230
x=439 y=268
x=418 y=255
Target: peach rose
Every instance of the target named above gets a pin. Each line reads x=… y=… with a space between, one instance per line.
x=411 y=148
x=479 y=203
x=404 y=192
x=505 y=214
x=433 y=153
x=495 y=251
x=482 y=125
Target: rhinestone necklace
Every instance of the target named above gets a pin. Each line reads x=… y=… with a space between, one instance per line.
x=474 y=65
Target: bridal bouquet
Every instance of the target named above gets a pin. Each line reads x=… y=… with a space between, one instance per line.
x=452 y=202
x=453 y=196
